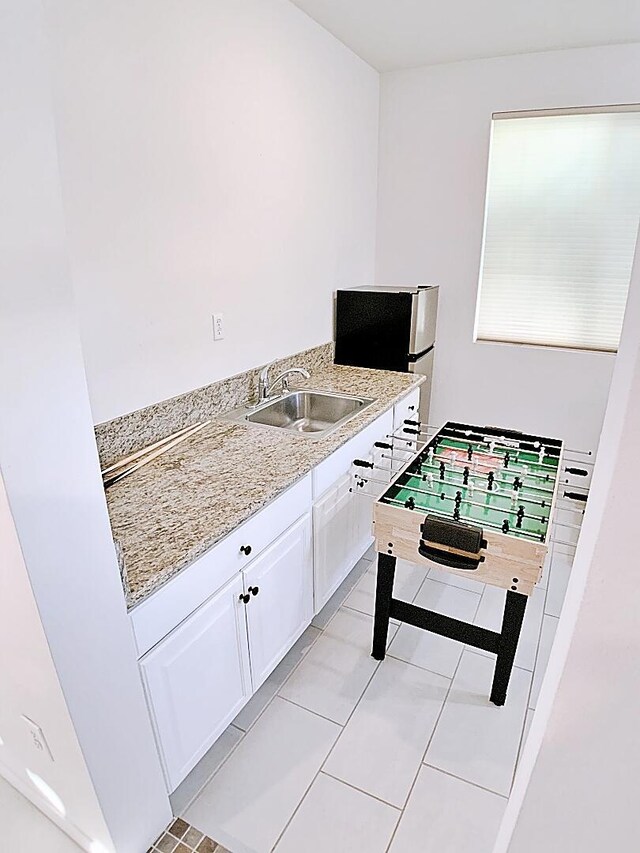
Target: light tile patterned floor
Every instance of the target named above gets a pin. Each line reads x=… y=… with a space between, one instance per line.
x=340 y=752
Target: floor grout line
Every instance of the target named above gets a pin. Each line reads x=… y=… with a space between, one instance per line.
x=418 y=666
x=424 y=754
x=304 y=796
x=328 y=755
x=269 y=703
x=277 y=693
x=186 y=808
x=246 y=732
x=478 y=652
x=435 y=726
x=466 y=781
x=326 y=758
x=361 y=790
x=423 y=763
x=310 y=710
x=455 y=586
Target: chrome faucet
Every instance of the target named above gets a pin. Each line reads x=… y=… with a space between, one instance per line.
x=265 y=387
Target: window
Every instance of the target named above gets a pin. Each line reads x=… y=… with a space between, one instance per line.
x=561 y=220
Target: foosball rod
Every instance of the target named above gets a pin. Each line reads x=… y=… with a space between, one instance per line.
x=544 y=477
x=414 y=428
x=474 y=474
x=539 y=537
x=371 y=479
x=501 y=492
x=479 y=476
x=441 y=426
x=405 y=440
x=505 y=472
x=442 y=496
x=480 y=453
x=410 y=430
x=403 y=463
x=363 y=463
x=500 y=441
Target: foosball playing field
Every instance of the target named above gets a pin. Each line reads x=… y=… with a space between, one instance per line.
x=485 y=477
x=478 y=502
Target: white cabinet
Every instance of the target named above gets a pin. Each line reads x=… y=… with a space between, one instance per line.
x=279 y=567
x=171 y=604
x=279 y=584
x=342 y=531
x=197 y=679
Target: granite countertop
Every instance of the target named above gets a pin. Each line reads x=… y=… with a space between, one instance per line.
x=174 y=509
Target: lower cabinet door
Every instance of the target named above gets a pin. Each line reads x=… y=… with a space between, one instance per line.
x=342 y=530
x=279 y=586
x=197 y=679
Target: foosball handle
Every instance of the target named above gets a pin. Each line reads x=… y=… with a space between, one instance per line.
x=580 y=472
x=574 y=496
x=412 y=423
x=411 y=431
x=453 y=561
x=362 y=463
x=383 y=445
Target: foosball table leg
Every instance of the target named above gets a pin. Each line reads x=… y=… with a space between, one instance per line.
x=514 y=608
x=384 y=594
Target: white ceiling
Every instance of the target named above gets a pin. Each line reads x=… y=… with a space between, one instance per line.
x=391 y=34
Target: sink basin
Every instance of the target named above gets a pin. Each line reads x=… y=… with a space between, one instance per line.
x=310 y=413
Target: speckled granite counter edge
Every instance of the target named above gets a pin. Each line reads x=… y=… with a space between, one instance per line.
x=343 y=435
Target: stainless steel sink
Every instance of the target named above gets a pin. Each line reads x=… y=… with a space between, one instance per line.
x=310 y=413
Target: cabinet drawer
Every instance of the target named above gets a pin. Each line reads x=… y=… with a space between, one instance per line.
x=358 y=447
x=159 y=614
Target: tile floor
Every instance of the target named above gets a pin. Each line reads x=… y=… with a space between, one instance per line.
x=339 y=752
x=182 y=838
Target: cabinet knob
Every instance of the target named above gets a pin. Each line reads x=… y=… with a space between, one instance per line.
x=244 y=598
x=246 y=549
x=254 y=590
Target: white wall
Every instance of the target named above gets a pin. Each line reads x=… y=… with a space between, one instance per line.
x=583 y=752
x=50 y=469
x=215 y=156
x=434 y=143
x=30 y=686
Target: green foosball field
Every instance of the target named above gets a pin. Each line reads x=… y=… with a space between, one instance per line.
x=486 y=477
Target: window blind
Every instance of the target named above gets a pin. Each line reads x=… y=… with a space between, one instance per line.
x=561 y=219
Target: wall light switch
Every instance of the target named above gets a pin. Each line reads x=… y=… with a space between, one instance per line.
x=218 y=327
x=37 y=737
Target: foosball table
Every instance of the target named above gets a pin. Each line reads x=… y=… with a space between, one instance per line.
x=478 y=502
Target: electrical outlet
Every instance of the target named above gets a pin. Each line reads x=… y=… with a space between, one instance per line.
x=37 y=737
x=218 y=327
